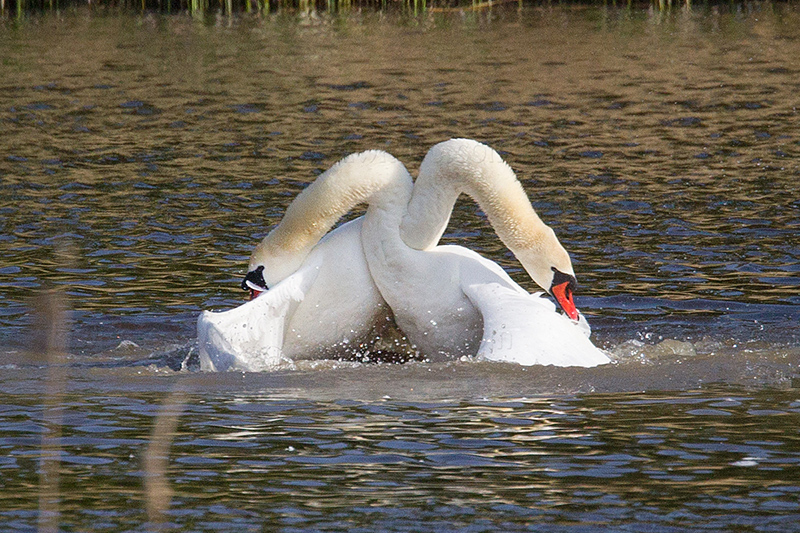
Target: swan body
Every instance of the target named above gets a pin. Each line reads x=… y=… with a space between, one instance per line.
x=448 y=300
x=327 y=307
x=476 y=309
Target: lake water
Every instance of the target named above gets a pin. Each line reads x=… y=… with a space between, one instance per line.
x=142 y=156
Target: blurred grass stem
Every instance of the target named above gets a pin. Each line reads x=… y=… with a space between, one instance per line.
x=158 y=493
x=50 y=310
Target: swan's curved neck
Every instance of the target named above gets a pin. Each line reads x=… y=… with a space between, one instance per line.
x=373 y=176
x=462 y=165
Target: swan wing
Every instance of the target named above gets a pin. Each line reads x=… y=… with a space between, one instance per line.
x=526 y=329
x=476 y=269
x=250 y=337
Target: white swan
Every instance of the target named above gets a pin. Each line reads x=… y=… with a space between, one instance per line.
x=331 y=281
x=451 y=301
x=321 y=300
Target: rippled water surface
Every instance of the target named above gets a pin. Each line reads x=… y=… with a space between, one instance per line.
x=142 y=157
x=248 y=461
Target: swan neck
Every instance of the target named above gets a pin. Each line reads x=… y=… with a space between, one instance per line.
x=428 y=211
x=465 y=166
x=371 y=176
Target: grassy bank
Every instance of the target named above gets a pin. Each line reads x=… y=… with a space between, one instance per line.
x=229 y=7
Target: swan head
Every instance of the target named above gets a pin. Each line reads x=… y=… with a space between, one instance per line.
x=272 y=262
x=549 y=265
x=254 y=282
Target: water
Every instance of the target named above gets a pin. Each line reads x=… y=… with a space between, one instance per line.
x=248 y=456
x=142 y=156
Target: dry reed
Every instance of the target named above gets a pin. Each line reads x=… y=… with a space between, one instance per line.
x=50 y=339
x=155 y=463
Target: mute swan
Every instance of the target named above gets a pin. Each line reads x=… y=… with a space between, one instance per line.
x=321 y=300
x=449 y=300
x=311 y=284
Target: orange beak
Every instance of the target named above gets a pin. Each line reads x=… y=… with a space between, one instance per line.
x=254 y=293
x=563 y=295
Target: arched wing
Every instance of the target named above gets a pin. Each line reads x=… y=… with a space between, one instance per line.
x=250 y=337
x=526 y=329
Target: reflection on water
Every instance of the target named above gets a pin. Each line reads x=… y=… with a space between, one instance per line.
x=244 y=461
x=661 y=147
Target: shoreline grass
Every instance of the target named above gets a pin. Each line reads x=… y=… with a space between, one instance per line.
x=233 y=7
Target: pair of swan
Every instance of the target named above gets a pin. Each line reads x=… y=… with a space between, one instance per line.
x=318 y=293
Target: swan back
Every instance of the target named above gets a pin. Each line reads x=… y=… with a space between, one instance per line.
x=352 y=181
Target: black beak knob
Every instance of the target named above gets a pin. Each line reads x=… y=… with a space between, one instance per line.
x=254 y=280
